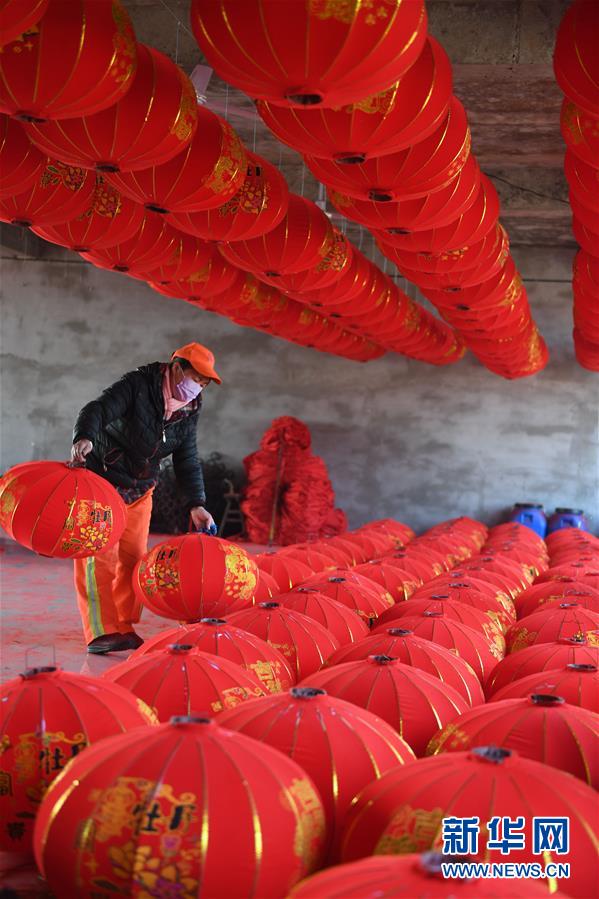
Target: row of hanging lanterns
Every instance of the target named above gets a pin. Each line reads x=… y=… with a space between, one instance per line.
x=577 y=72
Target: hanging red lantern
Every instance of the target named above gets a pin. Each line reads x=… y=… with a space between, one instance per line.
x=59 y=193
x=580 y=131
x=213 y=280
x=109 y=219
x=345 y=624
x=204 y=175
x=218 y=637
x=487 y=255
x=568 y=619
x=333 y=265
x=583 y=179
x=47 y=718
x=469 y=615
x=195 y=576
x=403 y=645
x=265 y=805
x=543 y=727
x=60 y=511
x=403 y=810
x=504 y=285
x=341 y=746
x=300 y=241
x=358 y=593
x=407 y=698
x=21 y=163
x=286 y=570
x=399 y=584
x=397 y=117
x=304 y=642
x=585 y=234
x=189 y=258
x=80 y=58
x=154 y=121
x=542 y=657
x=575 y=60
x=587 y=352
x=576 y=683
x=182 y=680
x=153 y=245
x=309 y=55
x=18 y=16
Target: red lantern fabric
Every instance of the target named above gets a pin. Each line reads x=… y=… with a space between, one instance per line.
x=543 y=727
x=154 y=121
x=286 y=570
x=307 y=55
x=577 y=684
x=339 y=745
x=334 y=264
x=582 y=597
x=575 y=59
x=217 y=637
x=182 y=680
x=205 y=174
x=542 y=657
x=472 y=592
x=469 y=615
x=313 y=558
x=583 y=179
x=80 y=58
x=399 y=584
x=358 y=593
x=58 y=193
x=60 y=511
x=403 y=645
x=266 y=587
x=403 y=810
x=211 y=282
x=153 y=244
x=195 y=576
x=332 y=551
x=110 y=218
x=345 y=624
x=304 y=642
x=18 y=16
x=567 y=590
x=264 y=804
x=407 y=698
x=20 y=161
x=567 y=620
x=300 y=241
x=47 y=717
x=579 y=130
x=189 y=258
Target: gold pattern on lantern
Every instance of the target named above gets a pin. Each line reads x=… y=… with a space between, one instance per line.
x=252 y=197
x=182 y=127
x=410 y=830
x=152 y=875
x=234 y=696
x=106 y=200
x=346 y=11
x=336 y=256
x=88 y=527
x=377 y=104
x=309 y=829
x=268 y=673
x=58 y=173
x=240 y=574
x=232 y=158
x=125 y=52
x=23 y=41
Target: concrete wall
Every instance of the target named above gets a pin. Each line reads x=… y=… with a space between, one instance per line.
x=400 y=438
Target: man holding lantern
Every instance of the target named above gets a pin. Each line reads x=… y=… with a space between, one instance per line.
x=148 y=414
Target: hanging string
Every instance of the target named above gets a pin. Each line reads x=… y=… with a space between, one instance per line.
x=303 y=178
x=177 y=43
x=177 y=19
x=255 y=124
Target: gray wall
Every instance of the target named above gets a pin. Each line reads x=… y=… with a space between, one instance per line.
x=400 y=438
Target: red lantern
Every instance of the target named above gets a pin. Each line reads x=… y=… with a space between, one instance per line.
x=286 y=570
x=266 y=587
x=586 y=572
x=215 y=280
x=330 y=269
x=339 y=745
x=567 y=620
x=345 y=624
x=541 y=727
x=542 y=657
x=264 y=804
x=256 y=208
x=583 y=179
x=566 y=590
x=300 y=241
x=207 y=173
x=313 y=558
x=60 y=511
x=47 y=718
x=577 y=684
x=358 y=593
x=301 y=55
x=17 y=16
x=457 y=611
x=152 y=245
x=375 y=545
x=586 y=234
x=218 y=637
x=575 y=59
x=519 y=574
x=189 y=258
x=580 y=131
x=58 y=194
x=20 y=162
x=109 y=219
x=420 y=169
x=79 y=59
x=403 y=810
x=181 y=680
x=410 y=700
x=195 y=576
x=408 y=649
x=583 y=597
x=472 y=592
x=399 y=584
x=337 y=555
x=416 y=562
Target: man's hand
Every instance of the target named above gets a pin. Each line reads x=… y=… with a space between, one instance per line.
x=201 y=518
x=81 y=449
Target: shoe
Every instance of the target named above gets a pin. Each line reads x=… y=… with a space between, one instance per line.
x=134 y=641
x=109 y=643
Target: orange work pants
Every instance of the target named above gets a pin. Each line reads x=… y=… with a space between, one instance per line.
x=104 y=582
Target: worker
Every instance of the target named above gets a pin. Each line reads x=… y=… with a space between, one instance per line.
x=148 y=414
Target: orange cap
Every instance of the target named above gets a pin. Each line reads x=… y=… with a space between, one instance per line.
x=201 y=359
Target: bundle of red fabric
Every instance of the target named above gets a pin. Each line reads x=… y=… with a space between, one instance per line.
x=289 y=497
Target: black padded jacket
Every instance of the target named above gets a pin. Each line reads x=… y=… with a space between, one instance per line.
x=130 y=436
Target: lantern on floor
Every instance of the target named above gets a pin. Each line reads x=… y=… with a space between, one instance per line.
x=182 y=680
x=540 y=726
x=195 y=576
x=403 y=810
x=205 y=174
x=286 y=570
x=495 y=603
x=154 y=121
x=567 y=620
x=542 y=657
x=407 y=698
x=339 y=745
x=575 y=61
x=537 y=596
x=265 y=805
x=59 y=510
x=470 y=615
x=344 y=623
x=80 y=58
x=399 y=584
x=358 y=593
x=58 y=193
x=309 y=54
x=315 y=559
x=218 y=637
x=304 y=642
x=153 y=244
x=403 y=645
x=18 y=16
x=577 y=684
x=21 y=162
x=47 y=717
x=266 y=587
